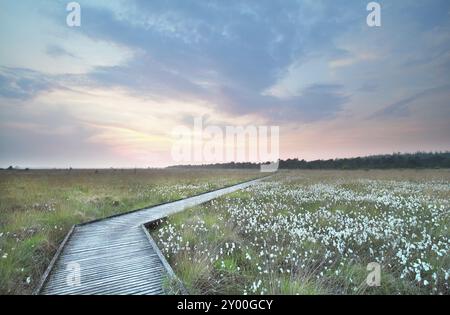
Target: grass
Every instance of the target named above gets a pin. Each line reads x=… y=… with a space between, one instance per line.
x=315 y=232
x=38 y=207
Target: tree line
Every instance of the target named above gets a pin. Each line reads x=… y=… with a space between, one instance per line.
x=416 y=160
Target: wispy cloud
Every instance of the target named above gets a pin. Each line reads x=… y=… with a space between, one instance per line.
x=22 y=84
x=402 y=107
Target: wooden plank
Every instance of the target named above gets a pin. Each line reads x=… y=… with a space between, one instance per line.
x=53 y=261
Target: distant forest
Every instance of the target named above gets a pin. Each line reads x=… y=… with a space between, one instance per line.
x=388 y=161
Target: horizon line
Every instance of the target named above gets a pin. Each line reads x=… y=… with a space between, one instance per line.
x=21 y=167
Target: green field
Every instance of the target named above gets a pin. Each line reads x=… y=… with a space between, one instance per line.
x=315 y=232
x=38 y=207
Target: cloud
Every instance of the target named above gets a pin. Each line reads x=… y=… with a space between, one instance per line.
x=298 y=76
x=352 y=60
x=56 y=51
x=429 y=98
x=321 y=101
x=315 y=102
x=37 y=38
x=22 y=84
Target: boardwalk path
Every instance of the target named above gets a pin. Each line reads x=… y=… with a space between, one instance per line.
x=116 y=255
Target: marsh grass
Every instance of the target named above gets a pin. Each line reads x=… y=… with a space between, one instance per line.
x=314 y=232
x=38 y=207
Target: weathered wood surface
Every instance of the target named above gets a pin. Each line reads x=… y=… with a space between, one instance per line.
x=115 y=255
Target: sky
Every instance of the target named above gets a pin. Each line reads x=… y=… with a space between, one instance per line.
x=111 y=92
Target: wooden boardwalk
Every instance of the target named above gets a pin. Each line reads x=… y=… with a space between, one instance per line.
x=116 y=255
